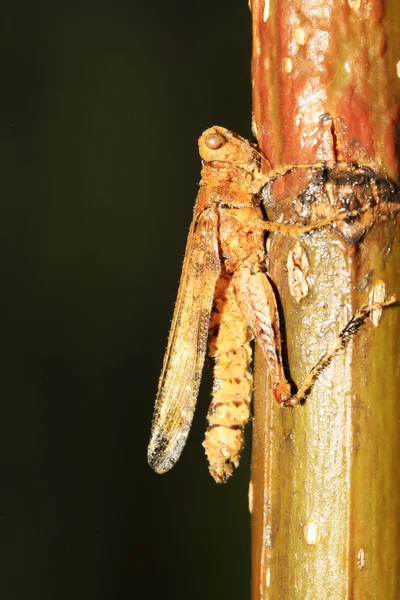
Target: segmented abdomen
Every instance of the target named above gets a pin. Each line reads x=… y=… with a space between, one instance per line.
x=229 y=410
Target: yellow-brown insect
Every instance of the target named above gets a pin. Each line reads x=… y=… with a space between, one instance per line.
x=222 y=267
x=224 y=297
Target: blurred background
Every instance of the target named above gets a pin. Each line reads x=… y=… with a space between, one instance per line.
x=101 y=105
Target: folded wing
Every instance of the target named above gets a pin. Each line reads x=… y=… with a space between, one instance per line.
x=184 y=358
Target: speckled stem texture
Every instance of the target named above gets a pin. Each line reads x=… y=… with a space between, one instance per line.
x=325 y=483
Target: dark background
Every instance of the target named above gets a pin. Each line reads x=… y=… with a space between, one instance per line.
x=101 y=105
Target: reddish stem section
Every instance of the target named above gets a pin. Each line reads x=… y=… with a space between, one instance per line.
x=325 y=82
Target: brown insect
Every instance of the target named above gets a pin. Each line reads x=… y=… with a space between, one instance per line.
x=224 y=298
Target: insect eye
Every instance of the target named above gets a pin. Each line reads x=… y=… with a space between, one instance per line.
x=214 y=141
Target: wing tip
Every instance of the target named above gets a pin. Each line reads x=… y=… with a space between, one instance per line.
x=159 y=455
x=159 y=466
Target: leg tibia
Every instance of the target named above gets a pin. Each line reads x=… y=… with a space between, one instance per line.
x=344 y=337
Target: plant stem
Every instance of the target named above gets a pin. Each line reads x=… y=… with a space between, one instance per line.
x=325 y=475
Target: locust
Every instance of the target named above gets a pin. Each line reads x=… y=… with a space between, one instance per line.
x=226 y=300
